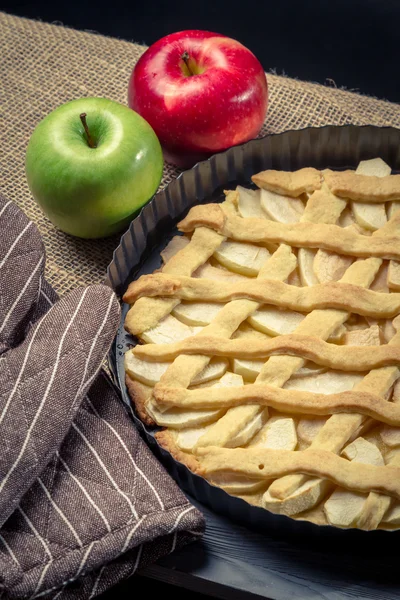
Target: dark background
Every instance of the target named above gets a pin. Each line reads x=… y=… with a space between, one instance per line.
x=347 y=43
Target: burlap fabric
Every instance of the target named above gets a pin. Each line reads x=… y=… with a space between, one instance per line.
x=43 y=66
x=83 y=502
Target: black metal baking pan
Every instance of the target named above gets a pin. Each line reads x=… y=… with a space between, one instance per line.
x=337 y=147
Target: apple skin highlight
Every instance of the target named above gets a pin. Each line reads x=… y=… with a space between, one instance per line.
x=218 y=98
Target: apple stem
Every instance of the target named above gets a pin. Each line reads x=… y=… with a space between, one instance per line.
x=185 y=57
x=86 y=128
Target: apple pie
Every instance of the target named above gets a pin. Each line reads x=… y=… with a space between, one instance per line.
x=270 y=346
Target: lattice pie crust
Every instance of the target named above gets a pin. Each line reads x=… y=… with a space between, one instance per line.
x=270 y=349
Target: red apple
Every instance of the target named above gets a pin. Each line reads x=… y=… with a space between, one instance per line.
x=201 y=92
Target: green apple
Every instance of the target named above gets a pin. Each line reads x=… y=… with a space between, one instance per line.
x=91 y=164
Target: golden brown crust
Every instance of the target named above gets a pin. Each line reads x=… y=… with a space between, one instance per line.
x=333 y=295
x=345 y=184
x=166 y=439
x=289 y=183
x=339 y=428
x=272 y=464
x=278 y=369
x=373 y=511
x=343 y=358
x=147 y=312
x=323 y=207
x=329 y=306
x=286 y=401
x=213 y=217
x=140 y=288
x=363 y=188
x=139 y=395
x=301 y=235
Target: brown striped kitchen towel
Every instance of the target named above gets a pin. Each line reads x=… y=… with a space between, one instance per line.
x=83 y=503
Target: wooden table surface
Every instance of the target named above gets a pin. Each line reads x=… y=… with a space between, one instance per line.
x=235 y=563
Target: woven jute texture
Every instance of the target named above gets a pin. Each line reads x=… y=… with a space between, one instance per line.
x=43 y=66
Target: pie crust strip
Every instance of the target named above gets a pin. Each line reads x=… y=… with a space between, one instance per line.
x=185 y=367
x=289 y=183
x=271 y=464
x=323 y=207
x=363 y=188
x=376 y=505
x=389 y=373
x=342 y=358
x=340 y=427
x=236 y=418
x=147 y=312
x=278 y=369
x=345 y=184
x=287 y=401
x=337 y=295
x=303 y=234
